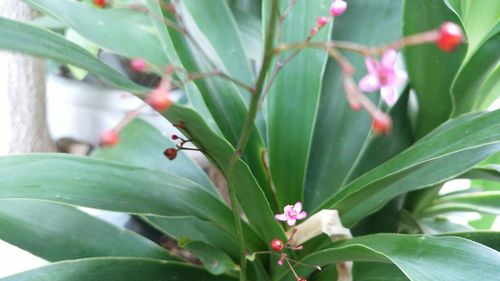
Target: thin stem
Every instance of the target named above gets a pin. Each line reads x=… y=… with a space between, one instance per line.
x=246 y=131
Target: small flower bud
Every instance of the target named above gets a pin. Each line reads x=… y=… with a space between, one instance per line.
x=301 y=279
x=313 y=31
x=170 y=153
x=175 y=137
x=277 y=245
x=109 y=138
x=280 y=262
x=138 y=65
x=450 y=36
x=321 y=21
x=159 y=100
x=338 y=7
x=382 y=124
x=100 y=3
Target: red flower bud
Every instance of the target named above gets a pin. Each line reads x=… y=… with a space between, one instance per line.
x=170 y=153
x=450 y=36
x=175 y=137
x=277 y=245
x=321 y=21
x=109 y=138
x=159 y=100
x=100 y=3
x=382 y=124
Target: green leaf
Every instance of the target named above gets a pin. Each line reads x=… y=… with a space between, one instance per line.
x=440 y=224
x=447 y=152
x=332 y=157
x=484 y=202
x=479 y=17
x=20 y=37
x=100 y=184
x=213 y=259
x=487 y=238
x=142 y=145
x=132 y=33
x=117 y=269
x=420 y=258
x=223 y=35
x=196 y=229
x=56 y=232
x=293 y=102
x=431 y=70
x=466 y=89
x=364 y=271
x=250 y=196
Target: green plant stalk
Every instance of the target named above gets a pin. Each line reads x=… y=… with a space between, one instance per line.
x=247 y=130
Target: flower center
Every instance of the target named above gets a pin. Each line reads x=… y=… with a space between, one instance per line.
x=292 y=214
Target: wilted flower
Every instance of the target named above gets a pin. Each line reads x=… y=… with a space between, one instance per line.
x=291 y=214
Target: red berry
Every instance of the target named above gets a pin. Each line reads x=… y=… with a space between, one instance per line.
x=170 y=153
x=382 y=124
x=100 y=3
x=159 y=100
x=109 y=138
x=277 y=245
x=175 y=137
x=450 y=36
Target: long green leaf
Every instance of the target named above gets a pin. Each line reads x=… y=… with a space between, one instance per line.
x=221 y=31
x=420 y=258
x=431 y=70
x=466 y=89
x=142 y=145
x=19 y=37
x=363 y=271
x=196 y=229
x=57 y=232
x=341 y=133
x=293 y=102
x=122 y=31
x=444 y=154
x=485 y=202
x=106 y=185
x=117 y=269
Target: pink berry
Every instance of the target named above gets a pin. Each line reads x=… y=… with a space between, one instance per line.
x=138 y=65
x=382 y=124
x=277 y=245
x=109 y=138
x=321 y=21
x=450 y=36
x=338 y=7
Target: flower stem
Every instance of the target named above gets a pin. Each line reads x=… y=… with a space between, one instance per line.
x=247 y=129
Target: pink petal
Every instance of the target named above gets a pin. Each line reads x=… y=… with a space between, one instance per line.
x=282 y=217
x=369 y=83
x=288 y=209
x=371 y=66
x=388 y=95
x=291 y=222
x=297 y=207
x=401 y=77
x=301 y=215
x=389 y=58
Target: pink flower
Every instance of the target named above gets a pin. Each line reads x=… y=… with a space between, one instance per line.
x=383 y=76
x=291 y=214
x=338 y=7
x=321 y=21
